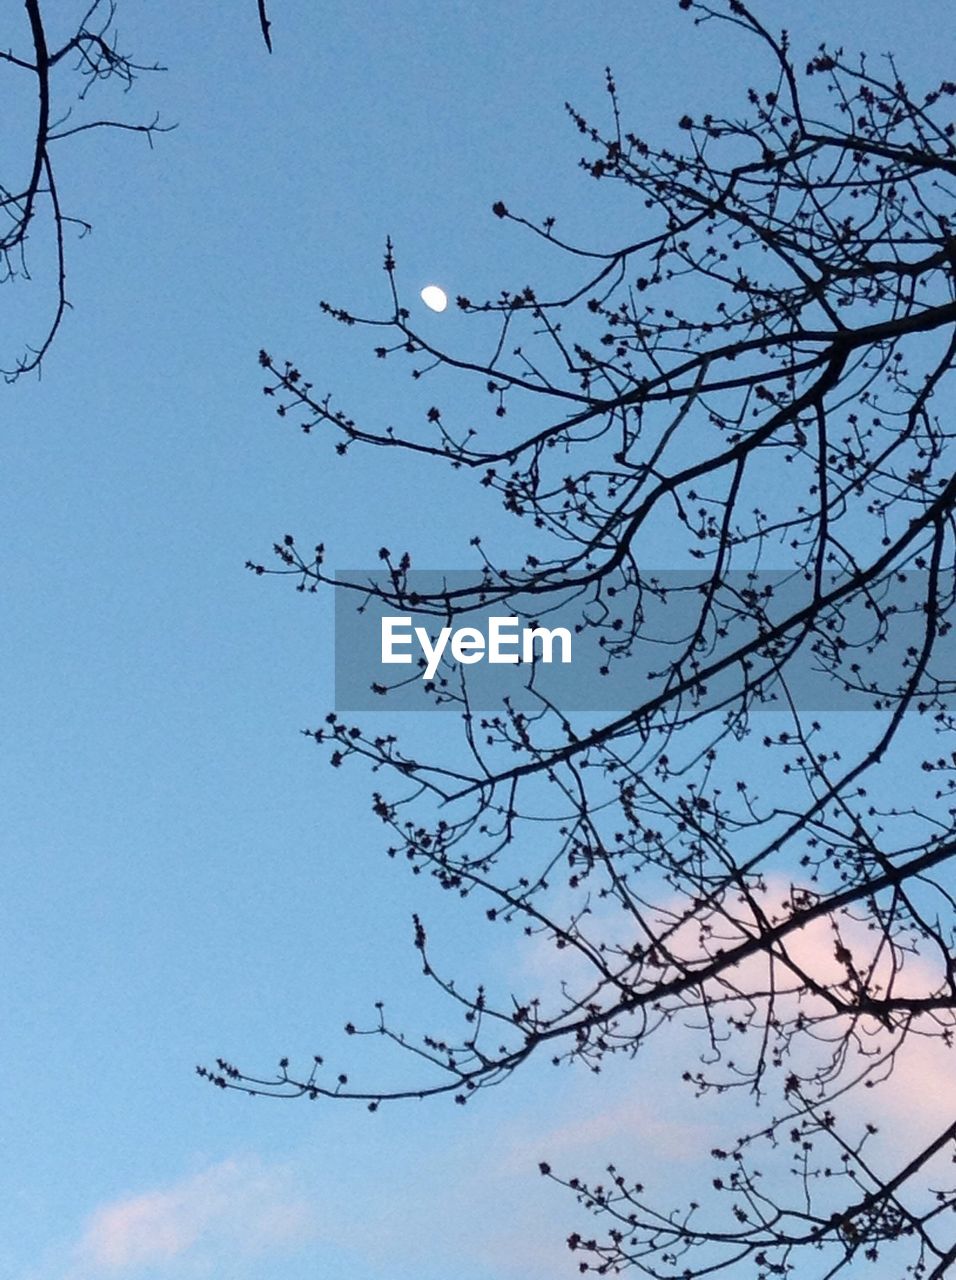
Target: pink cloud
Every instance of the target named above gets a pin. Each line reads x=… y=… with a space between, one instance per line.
x=243 y=1205
x=910 y=1106
x=915 y=1102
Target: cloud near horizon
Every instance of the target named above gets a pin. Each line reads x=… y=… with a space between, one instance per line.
x=238 y=1207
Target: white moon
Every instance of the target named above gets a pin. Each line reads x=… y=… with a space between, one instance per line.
x=434 y=297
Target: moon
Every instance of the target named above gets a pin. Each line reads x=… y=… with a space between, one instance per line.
x=434 y=298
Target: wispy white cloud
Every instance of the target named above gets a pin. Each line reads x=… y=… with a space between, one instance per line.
x=646 y=1123
x=229 y=1211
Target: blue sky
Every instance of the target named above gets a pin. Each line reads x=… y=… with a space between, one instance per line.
x=182 y=875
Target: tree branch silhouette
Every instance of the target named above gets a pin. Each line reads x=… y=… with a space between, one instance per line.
x=758 y=383
x=34 y=222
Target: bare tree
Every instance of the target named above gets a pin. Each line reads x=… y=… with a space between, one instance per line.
x=36 y=222
x=756 y=383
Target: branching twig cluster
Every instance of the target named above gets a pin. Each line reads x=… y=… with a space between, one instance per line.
x=757 y=381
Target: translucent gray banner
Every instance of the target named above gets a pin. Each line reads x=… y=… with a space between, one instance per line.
x=673 y=633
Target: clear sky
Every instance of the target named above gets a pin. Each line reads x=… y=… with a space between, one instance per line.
x=182 y=875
